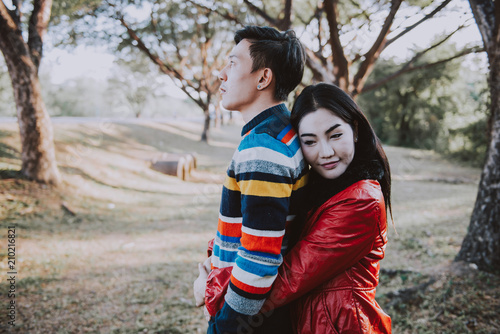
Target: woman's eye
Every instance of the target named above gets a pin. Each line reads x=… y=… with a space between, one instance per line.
x=309 y=142
x=336 y=135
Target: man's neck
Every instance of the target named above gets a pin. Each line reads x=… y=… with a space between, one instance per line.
x=256 y=108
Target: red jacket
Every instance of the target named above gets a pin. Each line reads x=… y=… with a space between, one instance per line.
x=332 y=272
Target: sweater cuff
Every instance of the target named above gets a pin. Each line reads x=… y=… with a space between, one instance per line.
x=241 y=304
x=227 y=321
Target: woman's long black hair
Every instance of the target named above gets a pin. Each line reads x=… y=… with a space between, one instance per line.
x=367 y=148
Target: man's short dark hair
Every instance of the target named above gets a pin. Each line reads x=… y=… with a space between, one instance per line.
x=282 y=52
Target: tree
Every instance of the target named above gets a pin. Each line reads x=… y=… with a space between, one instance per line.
x=409 y=110
x=422 y=108
x=23 y=61
x=347 y=37
x=135 y=83
x=481 y=244
x=185 y=42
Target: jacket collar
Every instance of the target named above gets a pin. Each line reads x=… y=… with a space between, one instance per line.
x=321 y=190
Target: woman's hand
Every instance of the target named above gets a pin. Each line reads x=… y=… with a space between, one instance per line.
x=207 y=315
x=200 y=284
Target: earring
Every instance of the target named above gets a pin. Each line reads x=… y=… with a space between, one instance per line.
x=356 y=139
x=258 y=87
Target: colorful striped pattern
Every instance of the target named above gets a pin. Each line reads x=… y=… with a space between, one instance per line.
x=265 y=177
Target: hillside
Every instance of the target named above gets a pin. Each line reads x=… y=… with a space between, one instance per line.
x=115 y=248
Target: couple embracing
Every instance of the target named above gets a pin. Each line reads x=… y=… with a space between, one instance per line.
x=302 y=223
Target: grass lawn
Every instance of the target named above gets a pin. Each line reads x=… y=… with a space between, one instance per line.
x=115 y=248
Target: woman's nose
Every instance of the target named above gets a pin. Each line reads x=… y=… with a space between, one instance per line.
x=326 y=151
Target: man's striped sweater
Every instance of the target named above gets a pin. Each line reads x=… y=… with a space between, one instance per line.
x=263 y=184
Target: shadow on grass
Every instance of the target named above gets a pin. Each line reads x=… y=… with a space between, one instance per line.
x=78 y=171
x=170 y=138
x=7 y=151
x=12 y=174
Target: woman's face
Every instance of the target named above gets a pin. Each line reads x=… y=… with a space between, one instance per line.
x=327 y=142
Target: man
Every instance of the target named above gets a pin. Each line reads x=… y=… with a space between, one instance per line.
x=263 y=180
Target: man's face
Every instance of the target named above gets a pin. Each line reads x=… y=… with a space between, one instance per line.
x=238 y=87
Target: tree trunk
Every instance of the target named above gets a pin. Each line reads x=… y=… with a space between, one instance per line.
x=37 y=142
x=38 y=154
x=206 y=125
x=404 y=127
x=481 y=244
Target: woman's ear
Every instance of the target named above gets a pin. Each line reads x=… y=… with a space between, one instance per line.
x=265 y=79
x=355 y=131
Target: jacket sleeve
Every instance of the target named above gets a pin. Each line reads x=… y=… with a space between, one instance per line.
x=217 y=283
x=210 y=248
x=341 y=236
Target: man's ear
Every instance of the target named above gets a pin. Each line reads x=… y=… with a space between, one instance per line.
x=265 y=79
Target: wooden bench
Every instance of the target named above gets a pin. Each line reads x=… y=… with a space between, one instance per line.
x=175 y=164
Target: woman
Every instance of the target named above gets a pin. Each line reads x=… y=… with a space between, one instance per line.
x=330 y=274
x=332 y=271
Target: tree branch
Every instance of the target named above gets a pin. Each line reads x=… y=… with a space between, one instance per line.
x=341 y=64
x=411 y=68
x=413 y=26
x=421 y=53
x=7 y=21
x=316 y=15
x=16 y=13
x=372 y=55
x=496 y=27
x=319 y=67
x=486 y=13
x=164 y=67
x=228 y=16
x=286 y=22
x=38 y=24
x=272 y=21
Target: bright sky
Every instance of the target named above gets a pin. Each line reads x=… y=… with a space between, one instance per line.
x=96 y=63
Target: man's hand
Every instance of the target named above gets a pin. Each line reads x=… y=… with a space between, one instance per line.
x=200 y=284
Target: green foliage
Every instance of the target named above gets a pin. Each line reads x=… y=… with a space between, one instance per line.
x=72 y=9
x=440 y=108
x=408 y=111
x=78 y=97
x=467 y=138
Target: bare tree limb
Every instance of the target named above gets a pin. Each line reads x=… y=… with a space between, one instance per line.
x=363 y=12
x=286 y=22
x=372 y=55
x=411 y=68
x=228 y=16
x=16 y=13
x=272 y=21
x=319 y=67
x=164 y=67
x=487 y=15
x=340 y=62
x=6 y=19
x=316 y=15
x=496 y=27
x=413 y=26
x=435 y=45
x=38 y=24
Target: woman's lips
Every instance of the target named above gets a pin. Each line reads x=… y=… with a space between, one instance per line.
x=330 y=165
